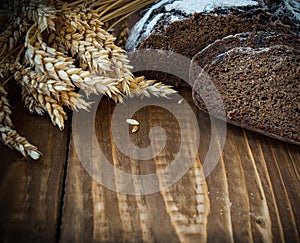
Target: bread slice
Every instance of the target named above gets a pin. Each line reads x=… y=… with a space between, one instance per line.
x=250 y=39
x=260 y=89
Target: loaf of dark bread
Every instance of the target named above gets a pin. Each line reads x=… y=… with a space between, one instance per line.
x=255 y=72
x=187 y=26
x=260 y=89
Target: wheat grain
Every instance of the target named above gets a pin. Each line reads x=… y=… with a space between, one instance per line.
x=56 y=71
x=10 y=37
x=134 y=129
x=61 y=68
x=132 y=121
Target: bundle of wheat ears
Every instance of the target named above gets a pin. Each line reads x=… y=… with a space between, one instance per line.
x=51 y=48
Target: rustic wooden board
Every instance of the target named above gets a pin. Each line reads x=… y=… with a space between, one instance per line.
x=30 y=191
x=252 y=194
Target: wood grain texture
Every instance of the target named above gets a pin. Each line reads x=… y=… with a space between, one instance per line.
x=30 y=191
x=252 y=195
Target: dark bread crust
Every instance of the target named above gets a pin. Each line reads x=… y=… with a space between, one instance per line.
x=259 y=87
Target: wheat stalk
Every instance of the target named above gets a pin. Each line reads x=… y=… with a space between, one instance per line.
x=117 y=10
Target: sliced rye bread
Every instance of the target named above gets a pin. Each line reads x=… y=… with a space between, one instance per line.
x=187 y=26
x=260 y=89
x=249 y=39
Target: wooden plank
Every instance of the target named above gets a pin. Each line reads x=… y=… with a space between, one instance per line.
x=276 y=224
x=237 y=188
x=278 y=193
x=259 y=212
x=281 y=193
x=30 y=191
x=289 y=176
x=219 y=218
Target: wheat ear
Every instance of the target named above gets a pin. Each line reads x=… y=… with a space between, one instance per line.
x=98 y=54
x=12 y=139
x=8 y=135
x=4 y=108
x=143 y=87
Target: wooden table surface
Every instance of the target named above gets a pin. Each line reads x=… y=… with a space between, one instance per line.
x=252 y=195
